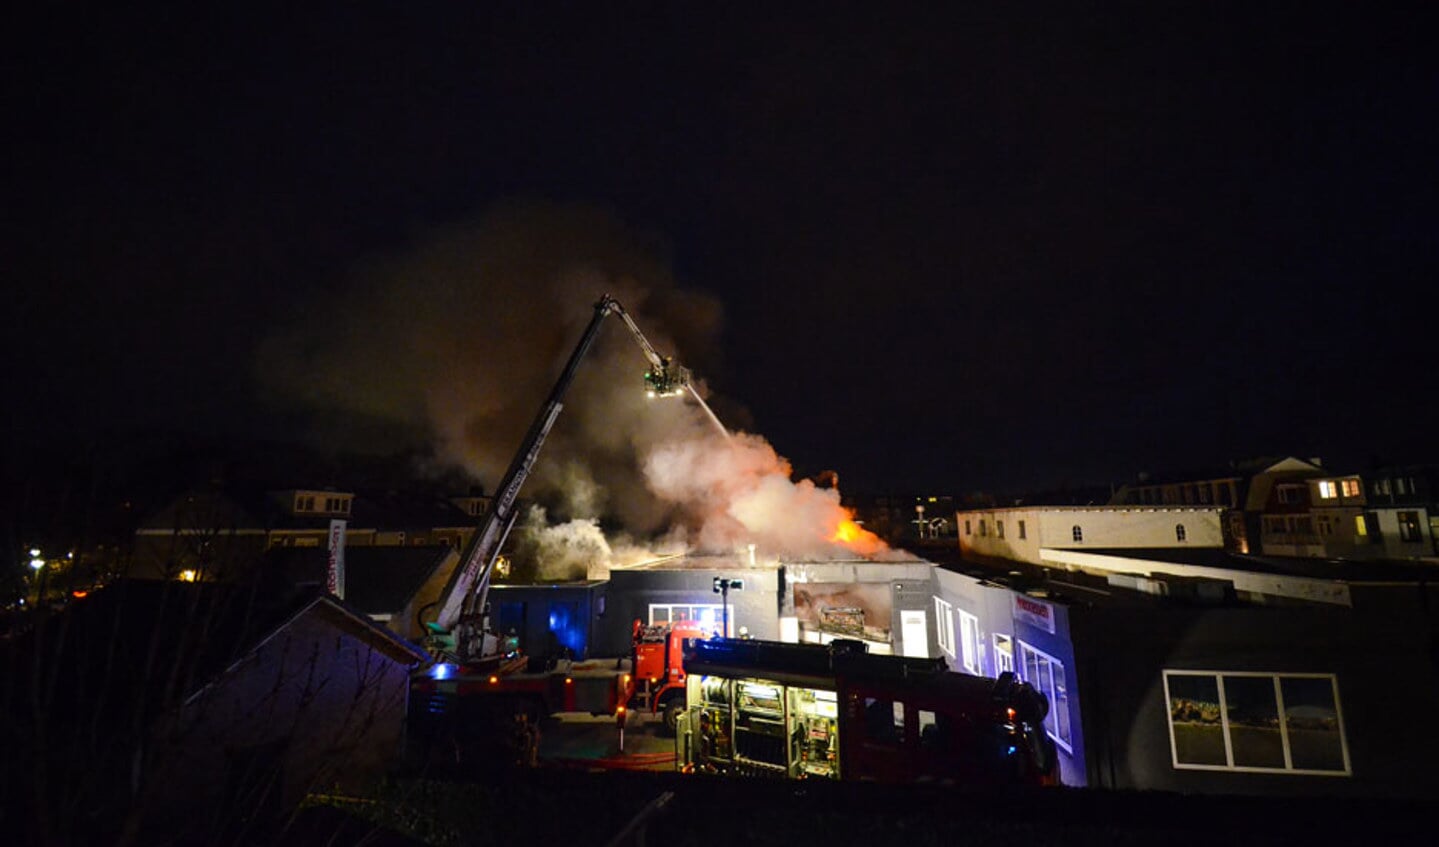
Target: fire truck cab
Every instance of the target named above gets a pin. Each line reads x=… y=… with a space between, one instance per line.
x=659 y=666
x=801 y=711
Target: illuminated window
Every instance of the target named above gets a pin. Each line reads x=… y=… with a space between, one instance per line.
x=1077 y=532
x=1350 y=487
x=188 y=575
x=1409 y=526
x=1046 y=673
x=1328 y=490
x=707 y=615
x=1179 y=533
x=1259 y=722
x=1361 y=526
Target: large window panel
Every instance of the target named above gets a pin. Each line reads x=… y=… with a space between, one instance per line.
x=1263 y=722
x=1253 y=715
x=1311 y=717
x=1195 y=723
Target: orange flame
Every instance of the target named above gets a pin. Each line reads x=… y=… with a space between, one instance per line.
x=848 y=532
x=857 y=538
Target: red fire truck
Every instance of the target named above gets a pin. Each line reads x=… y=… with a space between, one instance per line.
x=659 y=666
x=801 y=711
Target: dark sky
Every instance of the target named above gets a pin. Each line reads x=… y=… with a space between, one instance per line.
x=957 y=249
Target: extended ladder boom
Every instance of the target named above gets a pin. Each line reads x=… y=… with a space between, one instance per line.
x=473 y=571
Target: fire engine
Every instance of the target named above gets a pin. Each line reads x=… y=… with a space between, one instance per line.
x=659 y=666
x=803 y=711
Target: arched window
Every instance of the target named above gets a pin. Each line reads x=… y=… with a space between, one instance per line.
x=1078 y=533
x=1179 y=532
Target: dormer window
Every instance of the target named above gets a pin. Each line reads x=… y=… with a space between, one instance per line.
x=1328 y=490
x=305 y=503
x=1350 y=487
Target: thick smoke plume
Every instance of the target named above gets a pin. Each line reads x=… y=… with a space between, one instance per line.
x=459 y=339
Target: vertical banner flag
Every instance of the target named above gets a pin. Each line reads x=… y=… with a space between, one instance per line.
x=335 y=575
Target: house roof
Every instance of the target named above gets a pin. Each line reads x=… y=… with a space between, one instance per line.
x=142 y=647
x=379 y=580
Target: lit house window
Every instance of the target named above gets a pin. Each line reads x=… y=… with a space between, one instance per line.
x=1077 y=532
x=1350 y=487
x=1409 y=526
x=944 y=623
x=1328 y=490
x=1046 y=673
x=1179 y=533
x=1259 y=722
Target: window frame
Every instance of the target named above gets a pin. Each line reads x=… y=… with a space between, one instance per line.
x=969 y=641
x=1077 y=533
x=1278 y=677
x=718 y=609
x=944 y=625
x=1046 y=686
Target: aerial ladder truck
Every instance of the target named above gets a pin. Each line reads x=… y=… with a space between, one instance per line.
x=477 y=683
x=462 y=613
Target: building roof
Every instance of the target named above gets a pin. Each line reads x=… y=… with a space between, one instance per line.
x=379 y=580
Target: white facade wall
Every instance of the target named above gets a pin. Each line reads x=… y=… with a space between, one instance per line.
x=1393 y=546
x=1100 y=527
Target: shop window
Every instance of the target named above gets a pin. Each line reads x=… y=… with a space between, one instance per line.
x=969 y=642
x=1003 y=654
x=1046 y=673
x=707 y=615
x=1262 y=722
x=944 y=625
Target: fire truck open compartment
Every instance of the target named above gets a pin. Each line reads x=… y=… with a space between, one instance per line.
x=809 y=712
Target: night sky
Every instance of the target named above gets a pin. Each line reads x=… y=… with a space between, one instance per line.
x=957 y=249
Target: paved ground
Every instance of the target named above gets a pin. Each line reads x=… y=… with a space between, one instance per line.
x=588 y=742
